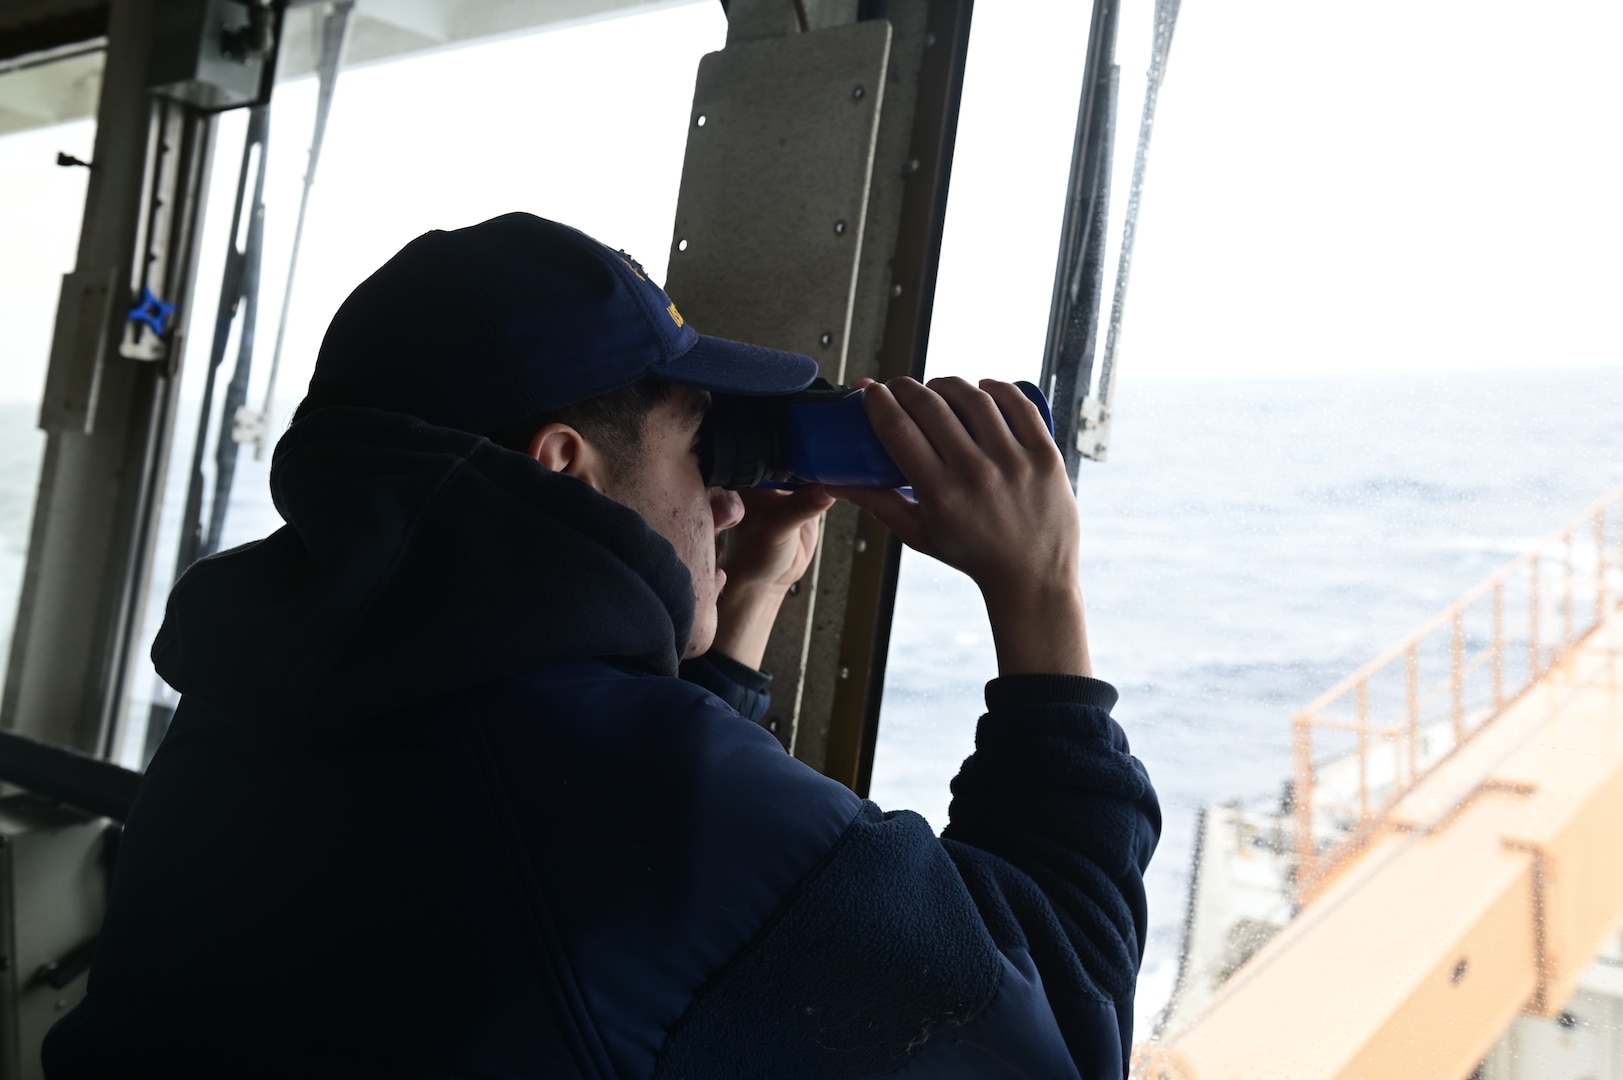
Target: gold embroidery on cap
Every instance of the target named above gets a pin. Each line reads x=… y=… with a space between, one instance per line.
x=676 y=316
x=633 y=267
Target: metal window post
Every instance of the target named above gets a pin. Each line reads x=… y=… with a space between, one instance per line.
x=115 y=364
x=810 y=216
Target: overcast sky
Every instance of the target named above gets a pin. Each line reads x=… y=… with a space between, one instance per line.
x=1381 y=185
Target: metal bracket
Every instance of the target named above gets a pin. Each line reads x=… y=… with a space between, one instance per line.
x=249 y=425
x=1093 y=429
x=84 y=314
x=215 y=54
x=152 y=312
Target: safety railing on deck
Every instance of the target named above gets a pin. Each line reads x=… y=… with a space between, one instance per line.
x=1364 y=744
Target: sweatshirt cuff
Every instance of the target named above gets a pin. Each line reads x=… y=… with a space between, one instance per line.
x=1013 y=691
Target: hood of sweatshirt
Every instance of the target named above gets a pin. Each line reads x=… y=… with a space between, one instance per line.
x=415 y=561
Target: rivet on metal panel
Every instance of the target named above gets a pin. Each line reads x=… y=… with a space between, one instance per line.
x=700 y=121
x=826 y=340
x=858 y=94
x=681 y=245
x=839 y=227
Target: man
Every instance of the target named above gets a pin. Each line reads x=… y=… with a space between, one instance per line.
x=435 y=802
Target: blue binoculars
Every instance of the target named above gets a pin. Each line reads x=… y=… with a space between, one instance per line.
x=818 y=436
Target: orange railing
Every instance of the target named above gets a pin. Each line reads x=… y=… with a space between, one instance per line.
x=1364 y=744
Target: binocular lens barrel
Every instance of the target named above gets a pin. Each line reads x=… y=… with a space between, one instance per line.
x=819 y=436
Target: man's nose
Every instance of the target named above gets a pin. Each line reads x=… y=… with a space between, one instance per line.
x=727 y=506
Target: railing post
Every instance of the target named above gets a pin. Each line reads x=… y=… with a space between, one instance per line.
x=1363 y=750
x=1619 y=546
x=1566 y=593
x=1302 y=804
x=1498 y=645
x=1600 y=566
x=1412 y=662
x=1457 y=674
x=1533 y=665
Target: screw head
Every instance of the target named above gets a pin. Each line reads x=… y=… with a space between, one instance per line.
x=839 y=228
x=826 y=340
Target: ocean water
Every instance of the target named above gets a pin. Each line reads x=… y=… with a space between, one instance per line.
x=1251 y=541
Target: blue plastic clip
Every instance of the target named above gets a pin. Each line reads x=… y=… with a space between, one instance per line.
x=152 y=311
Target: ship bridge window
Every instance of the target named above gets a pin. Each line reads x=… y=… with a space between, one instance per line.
x=1369 y=356
x=45 y=146
x=440 y=139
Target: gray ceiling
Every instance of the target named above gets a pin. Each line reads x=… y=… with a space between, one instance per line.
x=51 y=88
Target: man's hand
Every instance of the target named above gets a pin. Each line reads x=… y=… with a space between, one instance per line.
x=765 y=554
x=991 y=498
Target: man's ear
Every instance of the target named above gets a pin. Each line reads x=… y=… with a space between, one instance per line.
x=562 y=449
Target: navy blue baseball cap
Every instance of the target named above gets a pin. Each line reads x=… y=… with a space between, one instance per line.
x=483 y=327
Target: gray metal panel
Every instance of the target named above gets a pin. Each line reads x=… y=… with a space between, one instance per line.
x=53 y=893
x=775 y=188
x=769 y=237
x=84 y=314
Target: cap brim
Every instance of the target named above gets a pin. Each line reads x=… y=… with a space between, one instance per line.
x=733 y=367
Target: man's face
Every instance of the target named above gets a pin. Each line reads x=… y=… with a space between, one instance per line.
x=669 y=492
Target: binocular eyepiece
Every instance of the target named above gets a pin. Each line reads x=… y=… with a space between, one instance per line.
x=818 y=436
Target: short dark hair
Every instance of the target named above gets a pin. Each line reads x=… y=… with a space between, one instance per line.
x=612 y=422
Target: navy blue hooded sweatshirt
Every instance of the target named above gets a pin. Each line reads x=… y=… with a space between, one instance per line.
x=435 y=803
